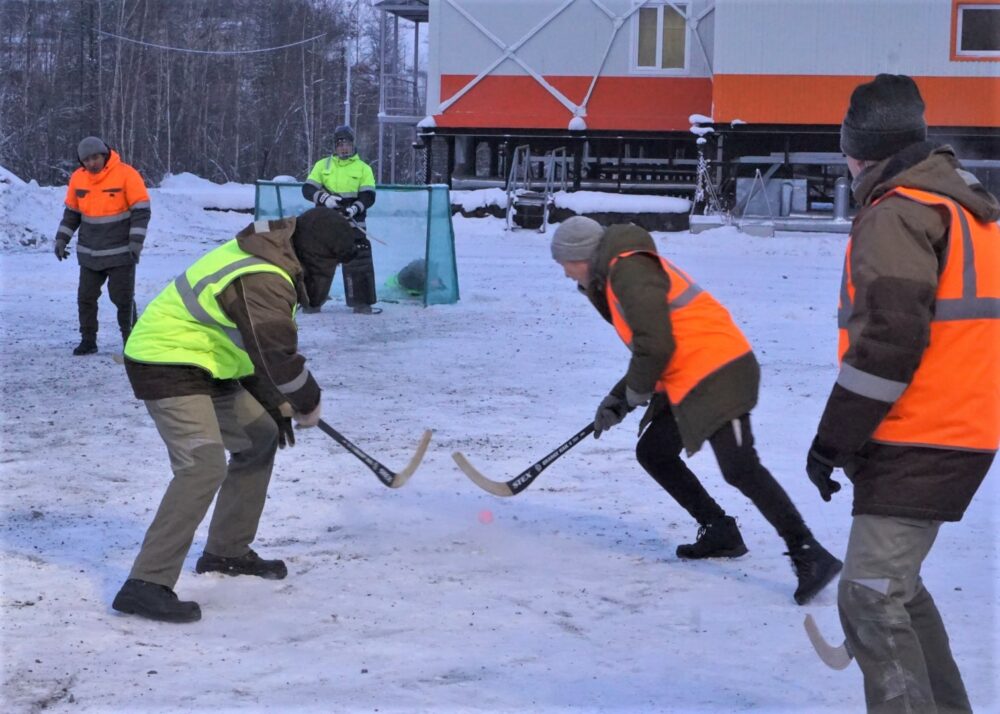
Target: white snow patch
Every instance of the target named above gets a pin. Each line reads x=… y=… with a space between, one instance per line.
x=597 y=202
x=478 y=198
x=571 y=599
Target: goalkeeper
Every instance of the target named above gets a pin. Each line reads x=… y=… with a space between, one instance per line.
x=346 y=184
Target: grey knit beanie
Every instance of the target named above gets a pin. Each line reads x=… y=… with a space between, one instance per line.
x=576 y=238
x=90 y=146
x=885 y=116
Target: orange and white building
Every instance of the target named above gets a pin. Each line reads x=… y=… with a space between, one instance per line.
x=620 y=83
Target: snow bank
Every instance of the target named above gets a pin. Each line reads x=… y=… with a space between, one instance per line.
x=596 y=202
x=204 y=193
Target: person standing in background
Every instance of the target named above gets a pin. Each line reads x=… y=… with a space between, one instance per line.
x=344 y=183
x=107 y=200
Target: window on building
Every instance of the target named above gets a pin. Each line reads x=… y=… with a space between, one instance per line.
x=978 y=31
x=661 y=36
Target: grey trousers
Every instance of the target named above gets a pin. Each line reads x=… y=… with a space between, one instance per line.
x=891 y=623
x=198 y=430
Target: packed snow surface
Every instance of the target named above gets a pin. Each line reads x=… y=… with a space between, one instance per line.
x=567 y=597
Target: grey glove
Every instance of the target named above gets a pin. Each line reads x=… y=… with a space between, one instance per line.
x=351 y=211
x=325 y=198
x=635 y=399
x=61 y=252
x=135 y=248
x=611 y=411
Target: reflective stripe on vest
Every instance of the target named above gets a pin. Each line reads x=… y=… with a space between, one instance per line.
x=953 y=399
x=184 y=324
x=705 y=336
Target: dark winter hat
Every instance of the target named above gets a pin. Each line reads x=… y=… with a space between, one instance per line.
x=885 y=116
x=576 y=238
x=343 y=132
x=322 y=239
x=90 y=146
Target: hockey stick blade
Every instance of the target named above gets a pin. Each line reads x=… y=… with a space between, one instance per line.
x=389 y=478
x=833 y=657
x=526 y=477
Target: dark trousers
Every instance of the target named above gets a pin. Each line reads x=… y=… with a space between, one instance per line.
x=358 y=275
x=121 y=290
x=659 y=452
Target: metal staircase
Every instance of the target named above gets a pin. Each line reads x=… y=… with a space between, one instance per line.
x=529 y=198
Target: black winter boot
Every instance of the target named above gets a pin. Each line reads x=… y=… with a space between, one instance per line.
x=249 y=564
x=87 y=346
x=156 y=602
x=814 y=567
x=719 y=539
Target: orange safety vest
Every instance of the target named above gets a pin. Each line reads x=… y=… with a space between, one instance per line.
x=705 y=336
x=108 y=195
x=953 y=400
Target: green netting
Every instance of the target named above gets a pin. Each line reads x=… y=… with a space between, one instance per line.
x=415 y=260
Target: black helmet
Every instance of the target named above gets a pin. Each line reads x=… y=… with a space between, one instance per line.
x=343 y=132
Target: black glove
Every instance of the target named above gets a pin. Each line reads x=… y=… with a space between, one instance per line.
x=351 y=211
x=135 y=248
x=61 y=252
x=611 y=411
x=324 y=198
x=286 y=434
x=819 y=467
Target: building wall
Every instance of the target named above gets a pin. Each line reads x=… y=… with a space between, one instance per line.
x=568 y=53
x=759 y=61
x=788 y=62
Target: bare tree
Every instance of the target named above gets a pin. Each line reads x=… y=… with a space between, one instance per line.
x=174 y=86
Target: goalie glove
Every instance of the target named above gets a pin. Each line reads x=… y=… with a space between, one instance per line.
x=325 y=198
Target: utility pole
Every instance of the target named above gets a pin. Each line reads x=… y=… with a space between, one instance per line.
x=347 y=60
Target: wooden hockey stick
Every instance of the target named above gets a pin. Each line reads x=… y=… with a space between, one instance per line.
x=833 y=657
x=525 y=478
x=387 y=477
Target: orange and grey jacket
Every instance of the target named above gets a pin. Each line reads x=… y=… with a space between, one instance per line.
x=952 y=400
x=705 y=336
x=111 y=209
x=914 y=417
x=684 y=345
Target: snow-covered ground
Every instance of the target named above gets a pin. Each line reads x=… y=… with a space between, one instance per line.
x=406 y=601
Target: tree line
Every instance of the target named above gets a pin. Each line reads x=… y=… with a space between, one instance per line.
x=183 y=85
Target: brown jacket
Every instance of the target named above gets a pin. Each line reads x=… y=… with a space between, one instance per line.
x=895 y=259
x=641 y=286
x=261 y=305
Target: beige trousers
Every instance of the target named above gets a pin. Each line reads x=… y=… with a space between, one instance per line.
x=892 y=625
x=198 y=430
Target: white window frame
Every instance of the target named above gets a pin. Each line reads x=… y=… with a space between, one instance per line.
x=972 y=54
x=684 y=7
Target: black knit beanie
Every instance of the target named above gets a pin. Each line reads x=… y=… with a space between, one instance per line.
x=885 y=116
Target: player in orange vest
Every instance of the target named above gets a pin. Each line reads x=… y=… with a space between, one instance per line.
x=695 y=368
x=914 y=417
x=107 y=200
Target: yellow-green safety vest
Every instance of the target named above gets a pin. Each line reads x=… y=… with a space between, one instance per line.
x=184 y=323
x=345 y=177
